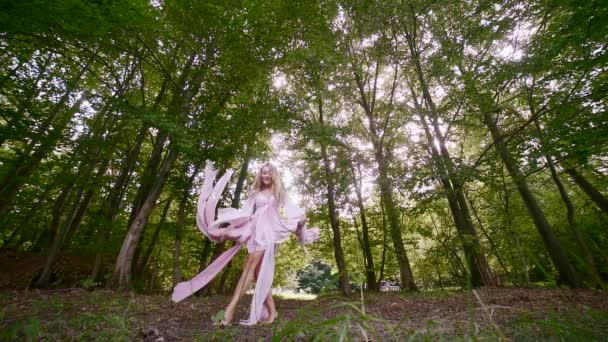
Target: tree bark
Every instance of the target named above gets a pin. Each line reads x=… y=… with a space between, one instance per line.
x=145 y=259
x=121 y=277
x=384 y=244
x=510 y=229
x=181 y=222
x=580 y=241
x=479 y=269
x=370 y=270
x=485 y=233
x=597 y=197
x=556 y=252
x=386 y=193
x=333 y=217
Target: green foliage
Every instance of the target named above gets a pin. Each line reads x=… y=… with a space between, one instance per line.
x=581 y=324
x=80 y=80
x=314 y=277
x=28 y=330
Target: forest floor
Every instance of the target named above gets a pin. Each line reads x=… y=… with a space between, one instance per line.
x=484 y=314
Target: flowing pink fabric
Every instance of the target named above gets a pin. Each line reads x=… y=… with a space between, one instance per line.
x=259 y=224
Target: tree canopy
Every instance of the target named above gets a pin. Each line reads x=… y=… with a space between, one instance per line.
x=435 y=144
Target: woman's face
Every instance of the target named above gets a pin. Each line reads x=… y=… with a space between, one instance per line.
x=266 y=176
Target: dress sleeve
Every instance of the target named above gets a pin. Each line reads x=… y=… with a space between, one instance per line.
x=291 y=219
x=226 y=214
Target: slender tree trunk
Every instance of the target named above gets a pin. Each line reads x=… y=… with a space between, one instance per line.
x=372 y=283
x=58 y=241
x=485 y=233
x=57 y=214
x=145 y=259
x=181 y=222
x=479 y=269
x=71 y=224
x=556 y=252
x=121 y=277
x=384 y=244
x=460 y=270
x=580 y=240
x=511 y=230
x=154 y=271
x=112 y=202
x=180 y=104
x=203 y=262
x=407 y=278
x=151 y=169
x=331 y=207
x=597 y=197
x=359 y=240
x=386 y=193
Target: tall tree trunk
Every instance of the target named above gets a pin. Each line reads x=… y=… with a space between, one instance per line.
x=333 y=217
x=580 y=241
x=597 y=197
x=359 y=239
x=478 y=266
x=460 y=270
x=386 y=192
x=112 y=202
x=556 y=252
x=372 y=283
x=121 y=277
x=145 y=259
x=58 y=241
x=46 y=240
x=72 y=223
x=384 y=244
x=180 y=104
x=511 y=230
x=485 y=233
x=181 y=222
x=205 y=253
x=177 y=244
x=151 y=169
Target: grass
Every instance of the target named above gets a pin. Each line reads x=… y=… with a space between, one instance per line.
x=575 y=324
x=95 y=316
x=103 y=316
x=293 y=295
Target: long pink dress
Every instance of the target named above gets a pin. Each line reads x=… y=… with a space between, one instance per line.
x=260 y=225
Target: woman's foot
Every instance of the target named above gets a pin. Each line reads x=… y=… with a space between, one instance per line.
x=271 y=318
x=227 y=318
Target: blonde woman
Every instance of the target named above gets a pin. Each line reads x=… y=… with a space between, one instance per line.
x=267 y=218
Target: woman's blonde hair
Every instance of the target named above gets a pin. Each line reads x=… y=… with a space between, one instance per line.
x=276 y=186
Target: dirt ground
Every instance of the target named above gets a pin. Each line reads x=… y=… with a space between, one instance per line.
x=489 y=313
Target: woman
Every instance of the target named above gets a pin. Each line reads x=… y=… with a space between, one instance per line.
x=266 y=219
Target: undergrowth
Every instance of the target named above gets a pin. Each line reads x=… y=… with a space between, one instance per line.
x=108 y=316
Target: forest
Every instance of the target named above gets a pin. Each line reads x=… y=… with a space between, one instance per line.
x=453 y=152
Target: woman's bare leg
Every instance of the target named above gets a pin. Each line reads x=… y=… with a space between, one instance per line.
x=251 y=264
x=268 y=302
x=272 y=311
